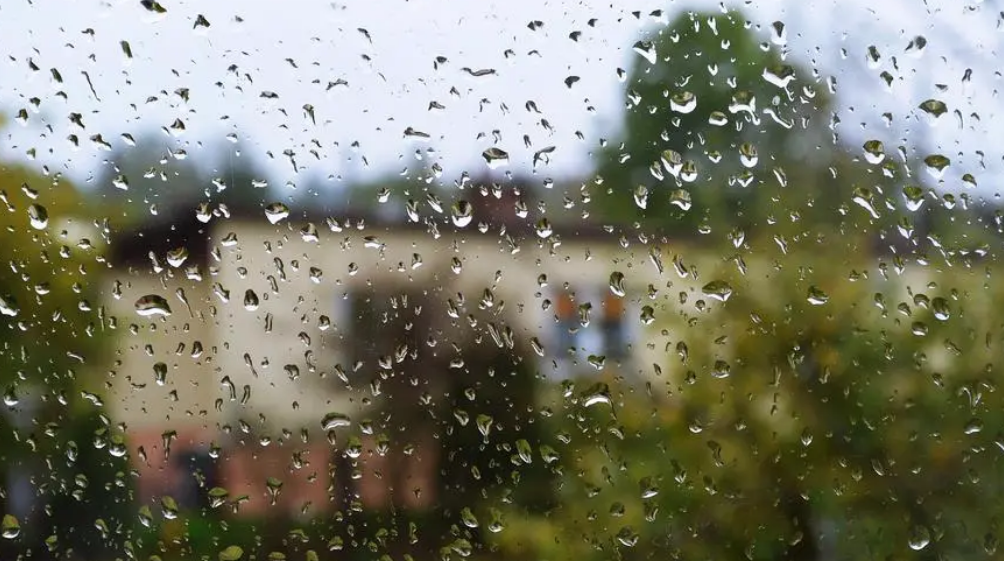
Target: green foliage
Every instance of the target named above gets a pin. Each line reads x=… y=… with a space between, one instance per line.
x=837 y=415
x=756 y=136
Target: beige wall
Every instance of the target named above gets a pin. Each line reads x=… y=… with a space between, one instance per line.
x=191 y=384
x=230 y=332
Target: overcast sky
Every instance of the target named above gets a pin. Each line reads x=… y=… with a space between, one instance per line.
x=258 y=63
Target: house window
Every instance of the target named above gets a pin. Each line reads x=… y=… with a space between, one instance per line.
x=568 y=324
x=615 y=336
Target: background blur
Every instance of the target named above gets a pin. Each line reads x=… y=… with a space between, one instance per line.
x=506 y=281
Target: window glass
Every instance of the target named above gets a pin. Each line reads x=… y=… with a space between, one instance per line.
x=500 y=280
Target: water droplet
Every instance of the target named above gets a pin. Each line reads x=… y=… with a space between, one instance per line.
x=169 y=507
x=617 y=283
x=597 y=361
x=8 y=306
x=778 y=33
x=647 y=315
x=780 y=75
x=627 y=537
x=914 y=196
x=718 y=289
x=462 y=213
x=672 y=161
x=817 y=297
x=177 y=256
x=231 y=553
x=863 y=196
x=468 y=518
x=936 y=165
x=218 y=497
x=641 y=196
x=10 y=527
x=250 y=300
x=647 y=50
x=160 y=373
x=495 y=157
x=649 y=488
x=524 y=451
x=748 y=155
x=874 y=152
x=598 y=393
x=684 y=102
x=543 y=228
x=681 y=199
x=934 y=107
x=38 y=216
x=276 y=212
x=152 y=305
x=920 y=537
x=718 y=119
x=334 y=420
x=939 y=306
x=974 y=426
x=484 y=424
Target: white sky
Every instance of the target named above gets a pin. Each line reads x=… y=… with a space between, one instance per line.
x=392 y=90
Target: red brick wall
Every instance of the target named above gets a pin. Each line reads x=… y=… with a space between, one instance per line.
x=408 y=481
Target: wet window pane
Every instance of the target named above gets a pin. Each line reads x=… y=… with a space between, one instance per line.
x=522 y=280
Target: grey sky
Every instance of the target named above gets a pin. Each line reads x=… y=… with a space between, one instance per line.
x=391 y=79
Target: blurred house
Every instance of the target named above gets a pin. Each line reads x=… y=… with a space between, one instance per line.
x=289 y=345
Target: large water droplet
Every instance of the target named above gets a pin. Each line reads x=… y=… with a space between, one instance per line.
x=462 y=213
x=250 y=300
x=38 y=216
x=10 y=528
x=276 y=212
x=914 y=196
x=597 y=394
x=495 y=157
x=647 y=50
x=816 y=296
x=934 y=107
x=160 y=373
x=617 y=283
x=920 y=537
x=335 y=420
x=177 y=256
x=718 y=289
x=231 y=553
x=874 y=152
x=152 y=305
x=936 y=165
x=684 y=102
